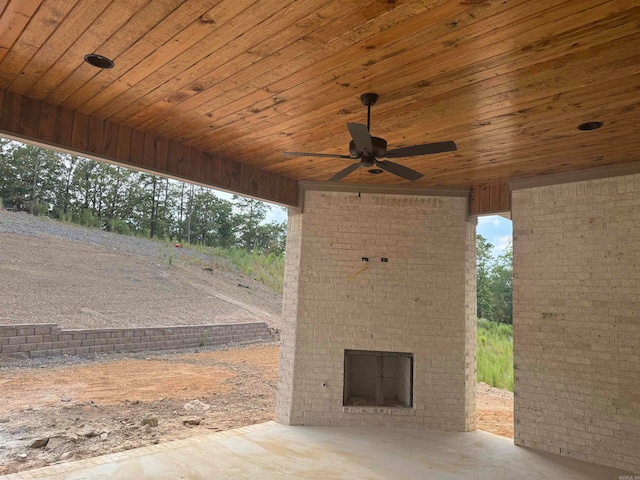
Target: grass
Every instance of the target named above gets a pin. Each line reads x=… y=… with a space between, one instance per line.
x=265 y=268
x=495 y=354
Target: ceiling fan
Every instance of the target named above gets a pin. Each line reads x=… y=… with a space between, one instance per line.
x=368 y=149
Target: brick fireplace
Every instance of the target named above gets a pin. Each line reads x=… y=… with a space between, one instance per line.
x=379 y=312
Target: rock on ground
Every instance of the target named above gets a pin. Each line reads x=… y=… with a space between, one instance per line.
x=197 y=405
x=191 y=421
x=39 y=443
x=151 y=421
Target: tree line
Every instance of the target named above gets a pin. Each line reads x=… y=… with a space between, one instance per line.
x=494 y=282
x=117 y=199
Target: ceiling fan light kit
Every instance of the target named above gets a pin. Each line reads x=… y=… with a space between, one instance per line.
x=368 y=149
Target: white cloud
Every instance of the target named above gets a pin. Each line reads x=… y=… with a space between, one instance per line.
x=276 y=214
x=500 y=244
x=223 y=195
x=492 y=220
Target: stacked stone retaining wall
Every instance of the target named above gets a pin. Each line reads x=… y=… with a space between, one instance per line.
x=47 y=339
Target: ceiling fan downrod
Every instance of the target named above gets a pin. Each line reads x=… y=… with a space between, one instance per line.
x=368 y=100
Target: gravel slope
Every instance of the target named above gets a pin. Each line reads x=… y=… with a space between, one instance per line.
x=54 y=272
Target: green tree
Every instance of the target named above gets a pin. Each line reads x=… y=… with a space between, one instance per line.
x=494 y=282
x=502 y=287
x=212 y=218
x=30 y=177
x=484 y=262
x=271 y=237
x=251 y=214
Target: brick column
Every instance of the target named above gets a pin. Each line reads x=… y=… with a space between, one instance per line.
x=576 y=305
x=422 y=301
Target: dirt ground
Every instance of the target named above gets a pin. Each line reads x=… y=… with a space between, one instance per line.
x=98 y=407
x=494 y=410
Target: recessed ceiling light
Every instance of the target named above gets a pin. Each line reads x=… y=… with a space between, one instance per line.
x=98 y=60
x=589 y=126
x=375 y=171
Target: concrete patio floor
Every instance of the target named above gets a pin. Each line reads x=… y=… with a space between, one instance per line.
x=273 y=451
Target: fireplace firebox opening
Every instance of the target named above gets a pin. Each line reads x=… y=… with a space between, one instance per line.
x=378 y=379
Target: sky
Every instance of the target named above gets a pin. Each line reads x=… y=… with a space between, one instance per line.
x=497 y=230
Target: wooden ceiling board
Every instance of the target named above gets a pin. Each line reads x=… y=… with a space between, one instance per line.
x=65 y=34
x=112 y=82
x=245 y=80
x=446 y=83
x=156 y=104
x=343 y=50
x=112 y=19
x=487 y=137
x=15 y=16
x=136 y=26
x=333 y=109
x=44 y=22
x=188 y=39
x=233 y=94
x=219 y=38
x=438 y=116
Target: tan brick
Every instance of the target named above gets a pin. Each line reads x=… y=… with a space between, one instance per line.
x=422 y=301
x=27 y=347
x=42 y=330
x=8 y=332
x=576 y=304
x=10 y=348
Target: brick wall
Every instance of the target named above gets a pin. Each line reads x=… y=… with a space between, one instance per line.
x=42 y=340
x=289 y=312
x=422 y=302
x=577 y=320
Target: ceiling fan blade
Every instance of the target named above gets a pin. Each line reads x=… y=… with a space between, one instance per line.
x=400 y=170
x=424 y=149
x=304 y=154
x=344 y=172
x=361 y=137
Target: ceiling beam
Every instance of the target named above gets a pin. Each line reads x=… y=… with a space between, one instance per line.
x=494 y=199
x=35 y=121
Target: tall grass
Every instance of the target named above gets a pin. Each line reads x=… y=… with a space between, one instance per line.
x=265 y=268
x=495 y=354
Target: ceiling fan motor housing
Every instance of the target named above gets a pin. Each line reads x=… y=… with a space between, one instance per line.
x=379 y=148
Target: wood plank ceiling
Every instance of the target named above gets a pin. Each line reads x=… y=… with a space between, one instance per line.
x=508 y=80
